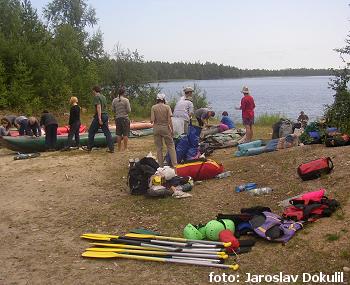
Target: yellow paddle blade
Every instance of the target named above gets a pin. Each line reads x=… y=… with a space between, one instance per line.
x=95 y=238
x=96 y=254
x=100 y=235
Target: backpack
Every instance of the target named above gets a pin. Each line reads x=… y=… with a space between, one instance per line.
x=274 y=228
x=139 y=175
x=315 y=168
x=285 y=129
x=310 y=207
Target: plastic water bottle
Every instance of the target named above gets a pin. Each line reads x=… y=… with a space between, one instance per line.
x=245 y=187
x=260 y=191
x=223 y=175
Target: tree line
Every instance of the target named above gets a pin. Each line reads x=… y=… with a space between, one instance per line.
x=45 y=62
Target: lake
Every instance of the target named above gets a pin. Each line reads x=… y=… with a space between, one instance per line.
x=284 y=95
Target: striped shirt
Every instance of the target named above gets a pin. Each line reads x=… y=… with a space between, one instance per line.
x=121 y=107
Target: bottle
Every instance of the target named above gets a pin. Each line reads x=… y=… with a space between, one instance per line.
x=246 y=187
x=260 y=191
x=224 y=174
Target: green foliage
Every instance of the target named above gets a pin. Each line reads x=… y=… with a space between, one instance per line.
x=21 y=88
x=199 y=98
x=338 y=114
x=142 y=102
x=75 y=13
x=268 y=119
x=3 y=90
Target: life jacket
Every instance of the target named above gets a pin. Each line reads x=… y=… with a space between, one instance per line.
x=310 y=207
x=274 y=228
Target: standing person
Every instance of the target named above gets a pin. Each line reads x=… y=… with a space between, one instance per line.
x=100 y=120
x=184 y=108
x=247 y=107
x=34 y=127
x=226 y=120
x=74 y=123
x=163 y=130
x=50 y=124
x=203 y=115
x=121 y=108
x=5 y=127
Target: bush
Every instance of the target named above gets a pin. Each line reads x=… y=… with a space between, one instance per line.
x=268 y=119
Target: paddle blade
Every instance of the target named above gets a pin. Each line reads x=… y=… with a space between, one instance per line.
x=95 y=254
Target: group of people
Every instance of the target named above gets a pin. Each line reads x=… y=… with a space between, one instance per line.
x=31 y=126
x=161 y=117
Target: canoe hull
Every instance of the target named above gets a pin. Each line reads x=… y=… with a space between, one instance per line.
x=37 y=144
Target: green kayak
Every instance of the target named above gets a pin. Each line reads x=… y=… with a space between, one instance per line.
x=36 y=144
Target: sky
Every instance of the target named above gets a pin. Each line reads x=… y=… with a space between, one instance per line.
x=270 y=34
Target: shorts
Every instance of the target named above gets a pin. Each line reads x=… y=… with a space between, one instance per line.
x=122 y=127
x=248 y=121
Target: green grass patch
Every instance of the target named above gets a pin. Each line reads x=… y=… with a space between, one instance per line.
x=268 y=119
x=332 y=237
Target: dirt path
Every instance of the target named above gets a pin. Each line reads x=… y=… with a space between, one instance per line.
x=47 y=202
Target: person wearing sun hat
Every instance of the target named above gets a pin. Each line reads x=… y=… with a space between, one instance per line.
x=163 y=130
x=184 y=108
x=247 y=107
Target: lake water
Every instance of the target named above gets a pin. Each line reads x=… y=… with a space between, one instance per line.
x=284 y=95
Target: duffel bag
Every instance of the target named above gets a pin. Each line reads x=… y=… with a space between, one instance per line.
x=338 y=140
x=200 y=169
x=315 y=168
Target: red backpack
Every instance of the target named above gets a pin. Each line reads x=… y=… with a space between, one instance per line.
x=315 y=168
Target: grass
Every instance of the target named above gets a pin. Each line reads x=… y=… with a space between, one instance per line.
x=332 y=237
x=268 y=119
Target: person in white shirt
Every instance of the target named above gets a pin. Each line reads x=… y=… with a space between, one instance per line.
x=184 y=108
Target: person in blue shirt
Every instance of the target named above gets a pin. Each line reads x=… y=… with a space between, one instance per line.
x=227 y=120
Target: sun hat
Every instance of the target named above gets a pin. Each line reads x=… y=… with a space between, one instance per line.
x=160 y=96
x=188 y=89
x=245 y=90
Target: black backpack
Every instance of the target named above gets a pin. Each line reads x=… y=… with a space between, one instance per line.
x=139 y=175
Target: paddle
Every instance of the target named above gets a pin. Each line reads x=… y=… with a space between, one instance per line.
x=93 y=254
x=180 y=241
x=220 y=255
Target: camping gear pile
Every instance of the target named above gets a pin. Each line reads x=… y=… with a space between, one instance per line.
x=225 y=139
x=158 y=248
x=259 y=221
x=145 y=177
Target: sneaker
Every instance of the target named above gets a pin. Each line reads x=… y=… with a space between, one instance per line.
x=86 y=148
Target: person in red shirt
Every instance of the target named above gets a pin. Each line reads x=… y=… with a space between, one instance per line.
x=247 y=107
